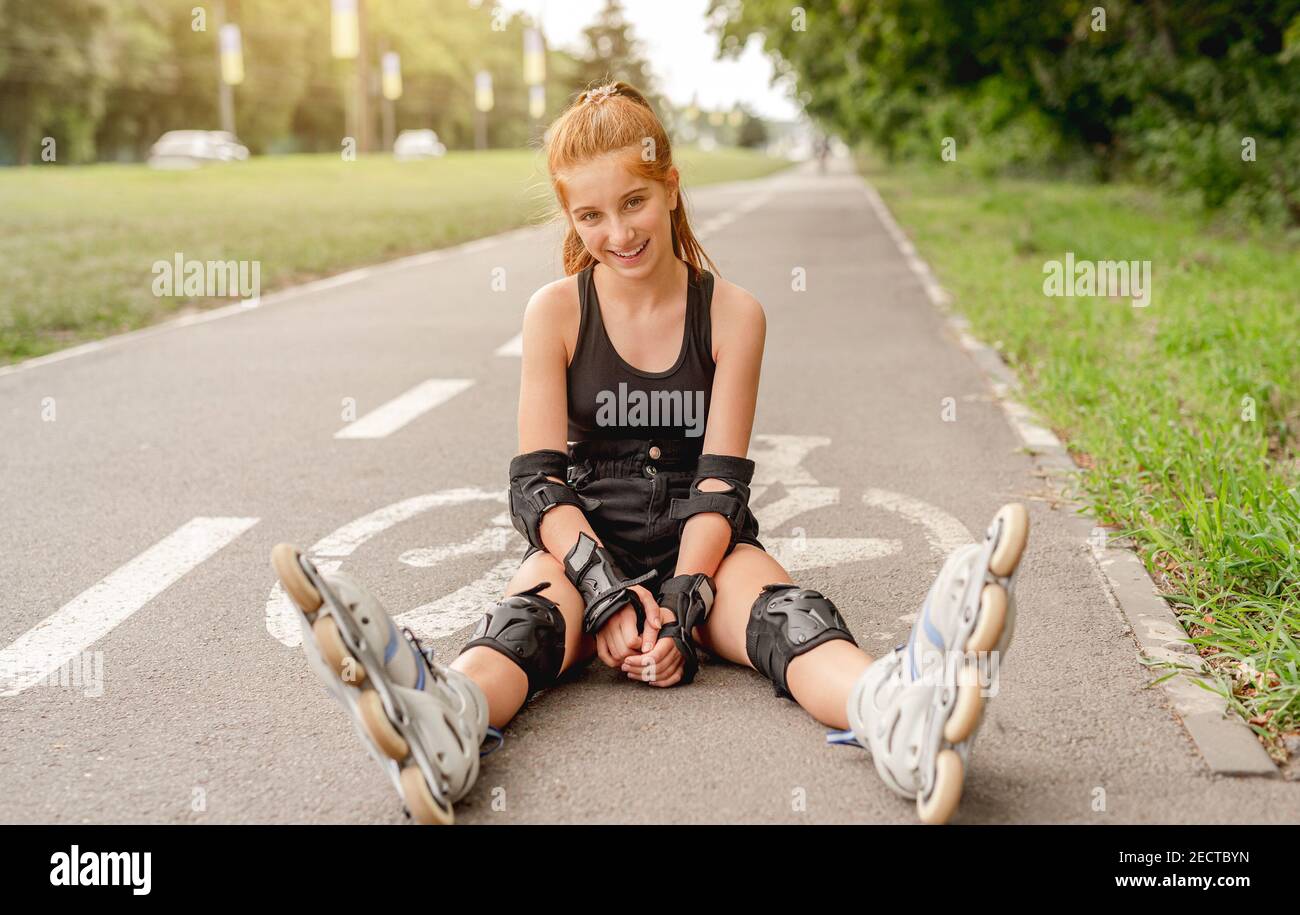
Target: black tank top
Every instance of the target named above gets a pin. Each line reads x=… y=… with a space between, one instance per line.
x=609 y=399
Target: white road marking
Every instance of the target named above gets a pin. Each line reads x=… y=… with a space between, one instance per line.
x=94 y=613
x=463 y=606
x=797 y=500
x=512 y=347
x=944 y=532
x=797 y=554
x=490 y=539
x=404 y=408
x=344 y=541
x=281 y=616
x=778 y=458
x=719 y=222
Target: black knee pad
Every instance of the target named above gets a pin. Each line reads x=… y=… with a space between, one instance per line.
x=784 y=622
x=529 y=630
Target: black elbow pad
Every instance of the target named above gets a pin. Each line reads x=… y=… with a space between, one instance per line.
x=532 y=495
x=731 y=504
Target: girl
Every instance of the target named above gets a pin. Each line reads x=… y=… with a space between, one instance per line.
x=642 y=546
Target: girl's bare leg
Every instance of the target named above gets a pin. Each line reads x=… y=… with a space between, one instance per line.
x=820 y=679
x=503 y=681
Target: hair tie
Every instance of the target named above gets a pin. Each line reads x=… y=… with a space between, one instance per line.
x=598 y=95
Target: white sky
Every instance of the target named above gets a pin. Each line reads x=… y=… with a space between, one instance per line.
x=680 y=51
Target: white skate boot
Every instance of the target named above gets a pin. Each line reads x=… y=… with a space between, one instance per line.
x=918 y=708
x=422 y=721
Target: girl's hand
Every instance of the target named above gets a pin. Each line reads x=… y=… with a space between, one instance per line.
x=618 y=638
x=660 y=663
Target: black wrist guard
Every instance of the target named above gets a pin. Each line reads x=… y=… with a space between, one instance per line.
x=690 y=598
x=604 y=589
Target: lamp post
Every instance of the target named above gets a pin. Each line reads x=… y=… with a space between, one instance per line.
x=391 y=67
x=535 y=75
x=483 y=103
x=345 y=44
x=230 y=56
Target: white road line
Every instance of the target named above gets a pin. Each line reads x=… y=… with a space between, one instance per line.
x=94 y=613
x=399 y=411
x=512 y=347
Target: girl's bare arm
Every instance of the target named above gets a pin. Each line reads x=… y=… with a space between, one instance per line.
x=543 y=408
x=739 y=332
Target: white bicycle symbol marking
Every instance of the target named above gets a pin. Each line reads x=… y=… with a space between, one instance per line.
x=778 y=459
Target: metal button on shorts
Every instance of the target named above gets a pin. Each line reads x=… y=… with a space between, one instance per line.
x=651 y=470
x=655 y=452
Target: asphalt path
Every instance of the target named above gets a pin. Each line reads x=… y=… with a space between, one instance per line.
x=145 y=483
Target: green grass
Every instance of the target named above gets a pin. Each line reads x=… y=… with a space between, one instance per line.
x=77 y=244
x=1183 y=415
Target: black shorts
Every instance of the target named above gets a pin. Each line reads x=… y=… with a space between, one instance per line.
x=635 y=491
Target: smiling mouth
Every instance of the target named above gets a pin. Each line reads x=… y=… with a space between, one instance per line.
x=633 y=253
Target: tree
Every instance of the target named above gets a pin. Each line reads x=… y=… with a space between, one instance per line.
x=53 y=74
x=614 y=54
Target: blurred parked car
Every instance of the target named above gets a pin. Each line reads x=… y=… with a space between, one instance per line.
x=192 y=148
x=231 y=149
x=417 y=144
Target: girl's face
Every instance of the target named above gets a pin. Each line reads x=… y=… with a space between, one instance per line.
x=622 y=218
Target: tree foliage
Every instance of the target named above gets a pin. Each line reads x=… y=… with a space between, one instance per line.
x=105 y=78
x=1175 y=90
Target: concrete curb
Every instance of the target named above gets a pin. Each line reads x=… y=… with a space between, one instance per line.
x=1226 y=743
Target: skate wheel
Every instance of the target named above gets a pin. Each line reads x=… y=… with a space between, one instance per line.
x=993 y=616
x=284 y=560
x=967 y=709
x=419 y=799
x=1011 y=542
x=381 y=730
x=946 y=794
x=335 y=653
